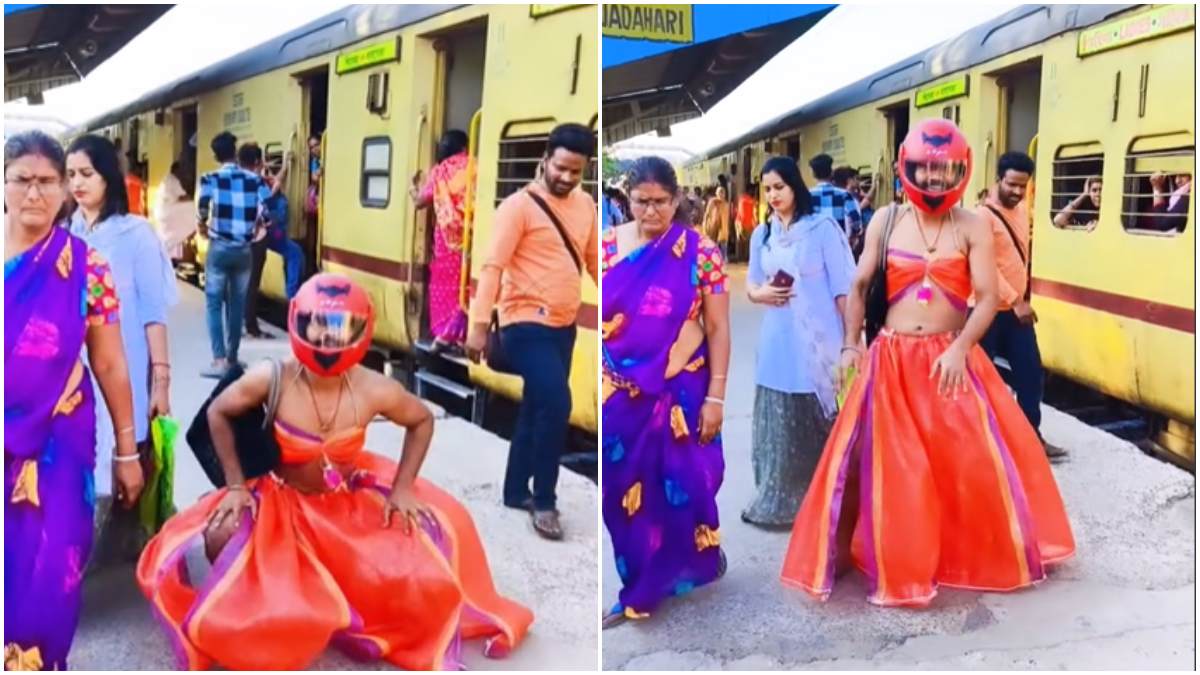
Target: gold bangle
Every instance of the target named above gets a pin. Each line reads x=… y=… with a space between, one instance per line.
x=127 y=430
x=719 y=377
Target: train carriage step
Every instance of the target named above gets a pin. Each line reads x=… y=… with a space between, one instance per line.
x=427 y=347
x=428 y=379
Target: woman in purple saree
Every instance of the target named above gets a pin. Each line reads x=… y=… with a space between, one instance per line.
x=664 y=360
x=58 y=296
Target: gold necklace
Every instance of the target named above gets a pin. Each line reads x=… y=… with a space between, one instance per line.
x=930 y=248
x=322 y=424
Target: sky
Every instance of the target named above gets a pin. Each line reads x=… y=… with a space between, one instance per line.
x=190 y=36
x=852 y=42
x=197 y=33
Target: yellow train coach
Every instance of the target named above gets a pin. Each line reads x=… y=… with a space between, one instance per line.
x=376 y=85
x=1093 y=92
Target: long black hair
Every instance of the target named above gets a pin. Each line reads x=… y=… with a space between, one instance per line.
x=653 y=169
x=453 y=141
x=103 y=155
x=790 y=174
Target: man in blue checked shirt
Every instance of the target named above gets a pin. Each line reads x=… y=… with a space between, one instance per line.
x=830 y=199
x=235 y=197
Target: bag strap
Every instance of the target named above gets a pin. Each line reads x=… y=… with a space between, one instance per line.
x=558 y=226
x=887 y=234
x=1011 y=232
x=273 y=394
x=1024 y=260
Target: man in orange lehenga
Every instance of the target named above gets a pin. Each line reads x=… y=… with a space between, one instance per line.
x=320 y=550
x=931 y=475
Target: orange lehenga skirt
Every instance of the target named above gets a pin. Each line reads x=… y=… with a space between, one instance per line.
x=951 y=491
x=315 y=570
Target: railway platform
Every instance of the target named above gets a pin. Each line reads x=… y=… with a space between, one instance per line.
x=1126 y=601
x=556 y=579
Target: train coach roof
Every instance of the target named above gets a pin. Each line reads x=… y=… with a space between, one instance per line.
x=1019 y=28
x=320 y=36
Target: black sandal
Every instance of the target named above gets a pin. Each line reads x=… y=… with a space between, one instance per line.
x=722 y=564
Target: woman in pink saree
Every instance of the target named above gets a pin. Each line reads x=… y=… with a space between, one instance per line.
x=446 y=191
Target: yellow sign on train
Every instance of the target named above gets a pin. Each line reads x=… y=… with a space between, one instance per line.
x=1143 y=26
x=942 y=91
x=659 y=23
x=380 y=52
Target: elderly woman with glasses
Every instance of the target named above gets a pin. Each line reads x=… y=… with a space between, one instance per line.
x=58 y=297
x=664 y=360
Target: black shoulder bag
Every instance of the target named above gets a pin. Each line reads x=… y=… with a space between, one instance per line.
x=497 y=357
x=877 y=297
x=254 y=439
x=1016 y=245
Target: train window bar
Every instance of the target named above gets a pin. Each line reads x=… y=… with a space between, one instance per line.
x=1157 y=190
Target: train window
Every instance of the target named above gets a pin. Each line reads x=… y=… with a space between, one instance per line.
x=519 y=160
x=1158 y=184
x=591 y=182
x=1076 y=186
x=376 y=178
x=591 y=179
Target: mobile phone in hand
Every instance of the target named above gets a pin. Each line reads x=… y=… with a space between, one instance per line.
x=782 y=280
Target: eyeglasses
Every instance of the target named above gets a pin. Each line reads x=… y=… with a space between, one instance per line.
x=46 y=185
x=640 y=204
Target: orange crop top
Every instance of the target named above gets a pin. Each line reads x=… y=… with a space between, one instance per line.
x=297 y=446
x=907 y=271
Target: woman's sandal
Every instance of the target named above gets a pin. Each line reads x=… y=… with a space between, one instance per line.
x=722 y=564
x=613 y=619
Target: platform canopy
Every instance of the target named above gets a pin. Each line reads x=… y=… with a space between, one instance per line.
x=47 y=46
x=664 y=64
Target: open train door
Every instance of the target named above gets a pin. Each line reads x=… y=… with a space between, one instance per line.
x=896 y=117
x=305 y=215
x=456 y=101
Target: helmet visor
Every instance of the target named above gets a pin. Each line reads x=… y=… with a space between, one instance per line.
x=936 y=177
x=330 y=330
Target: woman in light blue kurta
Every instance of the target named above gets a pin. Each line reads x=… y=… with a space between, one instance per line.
x=145 y=283
x=795 y=399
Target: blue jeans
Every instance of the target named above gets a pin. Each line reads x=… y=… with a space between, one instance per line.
x=1017 y=343
x=542 y=355
x=293 y=266
x=227 y=279
x=293 y=258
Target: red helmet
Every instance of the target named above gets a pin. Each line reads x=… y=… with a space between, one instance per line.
x=935 y=165
x=330 y=321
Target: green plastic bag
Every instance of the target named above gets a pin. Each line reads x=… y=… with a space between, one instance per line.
x=157 y=503
x=851 y=372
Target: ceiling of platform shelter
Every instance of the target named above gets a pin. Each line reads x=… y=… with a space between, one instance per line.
x=52 y=45
x=665 y=64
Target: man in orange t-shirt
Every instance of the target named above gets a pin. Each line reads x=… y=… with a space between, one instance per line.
x=533 y=279
x=1012 y=334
